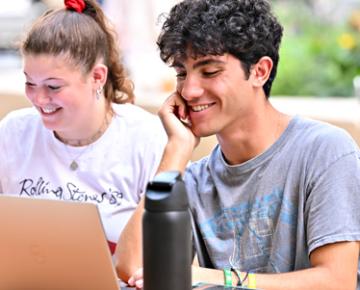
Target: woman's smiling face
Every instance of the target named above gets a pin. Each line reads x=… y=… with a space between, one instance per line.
x=62 y=94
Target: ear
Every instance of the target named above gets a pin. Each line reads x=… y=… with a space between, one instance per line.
x=99 y=75
x=260 y=72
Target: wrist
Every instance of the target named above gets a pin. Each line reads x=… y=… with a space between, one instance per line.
x=175 y=157
x=248 y=280
x=184 y=144
x=205 y=275
x=245 y=279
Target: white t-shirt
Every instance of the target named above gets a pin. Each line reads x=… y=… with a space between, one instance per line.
x=113 y=171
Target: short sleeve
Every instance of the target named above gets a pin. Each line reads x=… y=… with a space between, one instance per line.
x=332 y=206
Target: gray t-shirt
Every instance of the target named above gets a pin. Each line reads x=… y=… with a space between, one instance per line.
x=269 y=213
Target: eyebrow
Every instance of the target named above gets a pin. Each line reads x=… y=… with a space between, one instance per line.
x=201 y=63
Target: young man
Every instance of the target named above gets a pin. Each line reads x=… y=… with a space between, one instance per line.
x=279 y=196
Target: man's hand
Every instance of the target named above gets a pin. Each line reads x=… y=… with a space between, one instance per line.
x=174 y=116
x=181 y=140
x=198 y=274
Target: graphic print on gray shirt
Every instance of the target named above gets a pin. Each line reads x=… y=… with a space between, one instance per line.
x=269 y=213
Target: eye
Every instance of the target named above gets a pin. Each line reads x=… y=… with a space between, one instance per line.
x=181 y=75
x=54 y=88
x=210 y=73
x=28 y=84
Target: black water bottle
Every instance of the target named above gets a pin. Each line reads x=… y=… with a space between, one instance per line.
x=167 y=240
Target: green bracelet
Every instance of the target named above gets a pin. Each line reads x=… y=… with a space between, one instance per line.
x=227 y=277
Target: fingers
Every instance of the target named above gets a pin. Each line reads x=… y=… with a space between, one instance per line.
x=137 y=279
x=174 y=111
x=139 y=284
x=177 y=124
x=182 y=109
x=174 y=104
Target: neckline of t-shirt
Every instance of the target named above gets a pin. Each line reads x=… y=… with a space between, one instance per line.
x=263 y=157
x=58 y=145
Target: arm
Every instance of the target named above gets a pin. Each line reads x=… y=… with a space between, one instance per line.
x=177 y=153
x=128 y=253
x=129 y=246
x=334 y=266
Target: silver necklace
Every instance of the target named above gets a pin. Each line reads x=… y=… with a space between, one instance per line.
x=74 y=165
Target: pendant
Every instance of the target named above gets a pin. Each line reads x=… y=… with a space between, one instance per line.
x=74 y=165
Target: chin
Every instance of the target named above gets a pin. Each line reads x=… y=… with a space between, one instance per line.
x=50 y=126
x=202 y=132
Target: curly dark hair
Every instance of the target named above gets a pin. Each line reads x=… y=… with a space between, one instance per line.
x=246 y=29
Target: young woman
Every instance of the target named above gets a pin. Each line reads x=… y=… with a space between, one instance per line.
x=83 y=140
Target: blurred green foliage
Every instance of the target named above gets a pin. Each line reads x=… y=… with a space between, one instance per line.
x=317 y=57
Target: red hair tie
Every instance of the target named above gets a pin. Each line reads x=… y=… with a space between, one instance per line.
x=77 y=5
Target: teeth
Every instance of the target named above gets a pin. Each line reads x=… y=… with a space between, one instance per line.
x=200 y=108
x=49 y=110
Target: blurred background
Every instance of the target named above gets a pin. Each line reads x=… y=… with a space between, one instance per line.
x=320 y=53
x=318 y=74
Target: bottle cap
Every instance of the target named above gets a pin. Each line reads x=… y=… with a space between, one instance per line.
x=166 y=192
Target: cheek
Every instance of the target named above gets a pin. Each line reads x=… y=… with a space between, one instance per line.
x=30 y=93
x=76 y=101
x=68 y=100
x=179 y=86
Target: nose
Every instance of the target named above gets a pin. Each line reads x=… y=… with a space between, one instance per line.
x=190 y=88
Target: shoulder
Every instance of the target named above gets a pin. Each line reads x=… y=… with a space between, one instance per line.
x=18 y=128
x=20 y=120
x=316 y=129
x=321 y=136
x=318 y=146
x=137 y=121
x=199 y=171
x=135 y=115
x=139 y=124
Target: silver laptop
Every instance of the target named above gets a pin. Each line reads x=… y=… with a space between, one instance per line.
x=53 y=245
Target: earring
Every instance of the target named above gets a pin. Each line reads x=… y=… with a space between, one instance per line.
x=98 y=93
